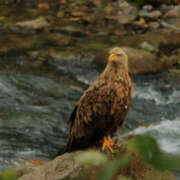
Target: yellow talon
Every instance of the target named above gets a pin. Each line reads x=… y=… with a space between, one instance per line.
x=108 y=142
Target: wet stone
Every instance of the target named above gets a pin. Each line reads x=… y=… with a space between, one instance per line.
x=147 y=47
x=165 y=8
x=171 y=18
x=24 y=31
x=154 y=25
x=152 y=15
x=126 y=13
x=123 y=4
x=147 y=8
x=38 y=23
x=71 y=31
x=127 y=16
x=173 y=13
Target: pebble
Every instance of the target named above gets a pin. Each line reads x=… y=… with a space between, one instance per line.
x=147 y=8
x=153 y=15
x=123 y=4
x=147 y=47
x=127 y=13
x=153 y=25
x=173 y=13
x=35 y=24
x=165 y=8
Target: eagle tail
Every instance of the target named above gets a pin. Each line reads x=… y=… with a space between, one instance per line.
x=73 y=143
x=69 y=145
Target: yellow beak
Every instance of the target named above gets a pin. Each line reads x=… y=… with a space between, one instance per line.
x=112 y=57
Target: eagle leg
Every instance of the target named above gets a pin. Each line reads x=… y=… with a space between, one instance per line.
x=108 y=142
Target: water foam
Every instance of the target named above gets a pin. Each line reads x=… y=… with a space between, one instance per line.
x=150 y=93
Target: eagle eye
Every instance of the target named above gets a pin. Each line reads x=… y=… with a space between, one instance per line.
x=120 y=54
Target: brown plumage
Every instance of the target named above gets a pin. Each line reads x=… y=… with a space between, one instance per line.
x=103 y=106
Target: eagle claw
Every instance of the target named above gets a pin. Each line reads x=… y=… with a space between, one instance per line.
x=108 y=142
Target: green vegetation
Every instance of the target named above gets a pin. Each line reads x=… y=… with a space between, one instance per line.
x=9 y=174
x=141 y=158
x=112 y=167
x=148 y=149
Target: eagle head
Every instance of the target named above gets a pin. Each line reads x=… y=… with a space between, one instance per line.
x=118 y=57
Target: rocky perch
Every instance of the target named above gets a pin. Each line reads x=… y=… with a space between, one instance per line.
x=124 y=163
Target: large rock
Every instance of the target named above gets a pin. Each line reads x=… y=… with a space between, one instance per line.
x=173 y=13
x=152 y=15
x=159 y=39
x=171 y=18
x=35 y=24
x=90 y=164
x=140 y=61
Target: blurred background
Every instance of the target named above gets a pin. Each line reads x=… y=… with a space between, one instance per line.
x=52 y=50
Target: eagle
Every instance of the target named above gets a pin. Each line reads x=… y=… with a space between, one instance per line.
x=103 y=106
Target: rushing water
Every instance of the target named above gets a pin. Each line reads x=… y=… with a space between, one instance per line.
x=35 y=105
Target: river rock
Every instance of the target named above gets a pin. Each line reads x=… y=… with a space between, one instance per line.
x=140 y=61
x=173 y=13
x=172 y=24
x=172 y=19
x=147 y=47
x=14 y=44
x=152 y=15
x=126 y=13
x=70 y=31
x=154 y=25
x=165 y=8
x=160 y=38
x=123 y=4
x=147 y=8
x=38 y=23
x=89 y=164
x=43 y=6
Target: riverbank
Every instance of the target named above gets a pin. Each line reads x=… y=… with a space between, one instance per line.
x=45 y=34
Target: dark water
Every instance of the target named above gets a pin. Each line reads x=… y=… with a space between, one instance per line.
x=36 y=104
